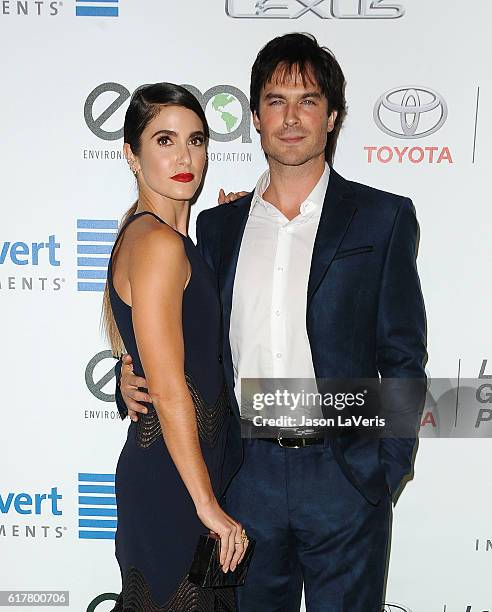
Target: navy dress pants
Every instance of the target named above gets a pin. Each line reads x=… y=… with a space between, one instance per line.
x=312 y=527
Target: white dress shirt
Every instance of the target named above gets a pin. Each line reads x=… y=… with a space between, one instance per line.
x=268 y=334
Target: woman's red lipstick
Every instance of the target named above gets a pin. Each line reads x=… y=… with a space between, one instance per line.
x=184 y=177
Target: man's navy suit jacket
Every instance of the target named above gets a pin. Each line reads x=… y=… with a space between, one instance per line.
x=365 y=314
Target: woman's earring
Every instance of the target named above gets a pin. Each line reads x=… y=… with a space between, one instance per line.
x=132 y=167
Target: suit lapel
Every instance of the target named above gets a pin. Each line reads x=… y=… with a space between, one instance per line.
x=337 y=213
x=232 y=235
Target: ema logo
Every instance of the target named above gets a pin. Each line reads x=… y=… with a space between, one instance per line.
x=226 y=106
x=97 y=8
x=97 y=507
x=95 y=239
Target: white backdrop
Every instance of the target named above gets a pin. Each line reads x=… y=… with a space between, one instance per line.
x=62 y=174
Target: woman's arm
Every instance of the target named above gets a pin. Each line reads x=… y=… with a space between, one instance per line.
x=127 y=394
x=158 y=273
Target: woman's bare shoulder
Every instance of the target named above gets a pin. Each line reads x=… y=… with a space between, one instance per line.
x=148 y=237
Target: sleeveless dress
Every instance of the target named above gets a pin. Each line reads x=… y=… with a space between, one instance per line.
x=158 y=528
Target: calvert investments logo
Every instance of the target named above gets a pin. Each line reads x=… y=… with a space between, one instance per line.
x=95 y=239
x=323 y=9
x=38 y=260
x=97 y=506
x=410 y=113
x=96 y=8
x=30 y=8
x=53 y=8
x=31 y=514
x=35 y=265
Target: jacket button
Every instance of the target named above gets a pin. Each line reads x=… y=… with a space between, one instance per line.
x=220 y=358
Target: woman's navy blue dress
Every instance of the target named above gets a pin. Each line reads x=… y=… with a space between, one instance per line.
x=158 y=528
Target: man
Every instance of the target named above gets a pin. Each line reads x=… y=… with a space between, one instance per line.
x=318 y=279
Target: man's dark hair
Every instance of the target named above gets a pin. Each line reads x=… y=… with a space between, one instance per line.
x=299 y=51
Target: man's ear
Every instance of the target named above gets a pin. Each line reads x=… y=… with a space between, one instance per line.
x=256 y=121
x=331 y=120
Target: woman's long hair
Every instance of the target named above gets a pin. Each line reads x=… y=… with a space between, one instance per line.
x=145 y=104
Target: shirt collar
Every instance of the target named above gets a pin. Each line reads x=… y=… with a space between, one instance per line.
x=314 y=200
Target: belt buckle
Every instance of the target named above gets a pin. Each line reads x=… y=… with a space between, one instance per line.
x=301 y=440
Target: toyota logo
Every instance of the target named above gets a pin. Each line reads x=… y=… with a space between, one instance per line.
x=400 y=111
x=389 y=607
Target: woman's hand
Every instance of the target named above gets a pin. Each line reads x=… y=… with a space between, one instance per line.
x=232 y=548
x=230 y=197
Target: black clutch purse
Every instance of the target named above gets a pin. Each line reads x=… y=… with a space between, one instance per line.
x=206 y=570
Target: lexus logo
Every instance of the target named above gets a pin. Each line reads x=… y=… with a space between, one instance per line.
x=324 y=9
x=410 y=112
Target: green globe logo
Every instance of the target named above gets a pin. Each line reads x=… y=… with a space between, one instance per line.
x=224 y=113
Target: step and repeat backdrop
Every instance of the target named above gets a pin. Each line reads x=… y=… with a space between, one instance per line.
x=419 y=95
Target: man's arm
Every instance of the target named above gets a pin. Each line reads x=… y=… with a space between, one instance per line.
x=120 y=404
x=203 y=244
x=207 y=231
x=401 y=345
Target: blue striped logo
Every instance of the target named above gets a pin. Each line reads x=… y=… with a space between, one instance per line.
x=97 y=507
x=95 y=239
x=96 y=8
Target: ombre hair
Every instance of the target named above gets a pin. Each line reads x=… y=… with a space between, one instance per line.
x=145 y=104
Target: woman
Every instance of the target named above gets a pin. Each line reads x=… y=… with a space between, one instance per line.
x=161 y=306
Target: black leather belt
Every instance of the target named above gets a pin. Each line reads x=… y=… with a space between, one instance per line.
x=294 y=442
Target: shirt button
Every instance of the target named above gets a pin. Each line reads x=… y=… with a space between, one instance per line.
x=279 y=355
x=277 y=313
x=220 y=358
x=280 y=269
